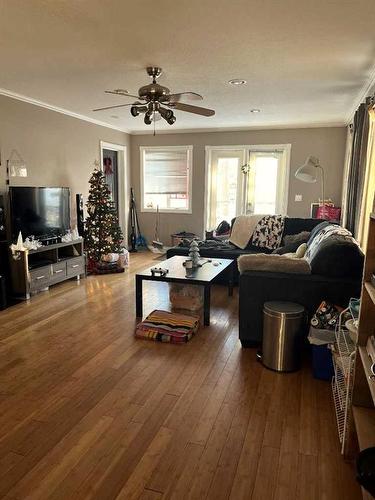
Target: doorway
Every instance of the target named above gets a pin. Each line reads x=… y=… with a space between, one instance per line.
x=113 y=165
x=245 y=180
x=110 y=169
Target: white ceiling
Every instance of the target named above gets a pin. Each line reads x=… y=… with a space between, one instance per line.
x=307 y=62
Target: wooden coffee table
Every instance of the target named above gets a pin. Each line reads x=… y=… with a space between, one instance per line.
x=202 y=276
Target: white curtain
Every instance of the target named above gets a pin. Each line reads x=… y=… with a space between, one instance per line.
x=367 y=205
x=348 y=154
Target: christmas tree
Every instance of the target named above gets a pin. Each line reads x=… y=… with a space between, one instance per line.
x=103 y=234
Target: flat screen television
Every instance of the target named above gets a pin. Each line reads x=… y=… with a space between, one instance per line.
x=43 y=212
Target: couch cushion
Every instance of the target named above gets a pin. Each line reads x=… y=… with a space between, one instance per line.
x=273 y=263
x=295 y=225
x=292 y=247
x=301 y=237
x=334 y=252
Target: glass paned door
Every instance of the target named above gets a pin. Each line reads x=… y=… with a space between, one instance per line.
x=246 y=180
x=225 y=186
x=262 y=182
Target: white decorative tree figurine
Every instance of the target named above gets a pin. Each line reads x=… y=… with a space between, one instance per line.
x=194 y=253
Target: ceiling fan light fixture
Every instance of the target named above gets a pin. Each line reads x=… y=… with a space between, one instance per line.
x=167 y=114
x=148 y=118
x=237 y=81
x=134 y=111
x=137 y=110
x=152 y=98
x=171 y=119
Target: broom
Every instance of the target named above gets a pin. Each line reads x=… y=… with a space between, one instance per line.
x=156 y=243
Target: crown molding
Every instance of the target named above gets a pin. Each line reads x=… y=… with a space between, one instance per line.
x=362 y=94
x=242 y=129
x=63 y=111
x=51 y=107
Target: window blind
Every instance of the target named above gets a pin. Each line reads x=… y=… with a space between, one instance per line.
x=166 y=171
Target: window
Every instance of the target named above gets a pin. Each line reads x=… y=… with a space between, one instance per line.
x=166 y=176
x=246 y=180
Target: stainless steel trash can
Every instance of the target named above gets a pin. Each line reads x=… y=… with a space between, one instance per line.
x=282 y=325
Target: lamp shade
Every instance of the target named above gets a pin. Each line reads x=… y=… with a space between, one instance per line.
x=308 y=171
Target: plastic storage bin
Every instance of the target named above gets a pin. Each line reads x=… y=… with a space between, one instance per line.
x=322 y=364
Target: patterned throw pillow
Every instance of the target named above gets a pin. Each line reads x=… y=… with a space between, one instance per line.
x=269 y=232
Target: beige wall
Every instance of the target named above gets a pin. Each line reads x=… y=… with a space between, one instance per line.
x=59 y=150
x=328 y=144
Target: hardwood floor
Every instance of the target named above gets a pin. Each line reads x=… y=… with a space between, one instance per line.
x=87 y=411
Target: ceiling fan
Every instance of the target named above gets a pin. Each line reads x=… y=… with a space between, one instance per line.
x=156 y=101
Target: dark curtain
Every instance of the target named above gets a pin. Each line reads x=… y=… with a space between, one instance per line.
x=357 y=168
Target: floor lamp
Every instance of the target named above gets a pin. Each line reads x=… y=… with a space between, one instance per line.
x=308 y=173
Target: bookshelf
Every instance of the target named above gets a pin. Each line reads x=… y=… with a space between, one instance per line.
x=364 y=381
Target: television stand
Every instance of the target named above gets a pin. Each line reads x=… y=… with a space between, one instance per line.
x=37 y=270
x=50 y=240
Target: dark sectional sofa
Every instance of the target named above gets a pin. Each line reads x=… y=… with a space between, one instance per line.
x=336 y=274
x=292 y=226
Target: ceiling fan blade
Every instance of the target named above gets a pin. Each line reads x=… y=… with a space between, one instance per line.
x=192 y=96
x=191 y=109
x=123 y=93
x=118 y=106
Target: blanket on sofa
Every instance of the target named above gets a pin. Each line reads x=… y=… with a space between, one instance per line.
x=208 y=245
x=243 y=229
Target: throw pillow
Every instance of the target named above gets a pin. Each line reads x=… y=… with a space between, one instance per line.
x=301 y=250
x=272 y=263
x=269 y=231
x=299 y=238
